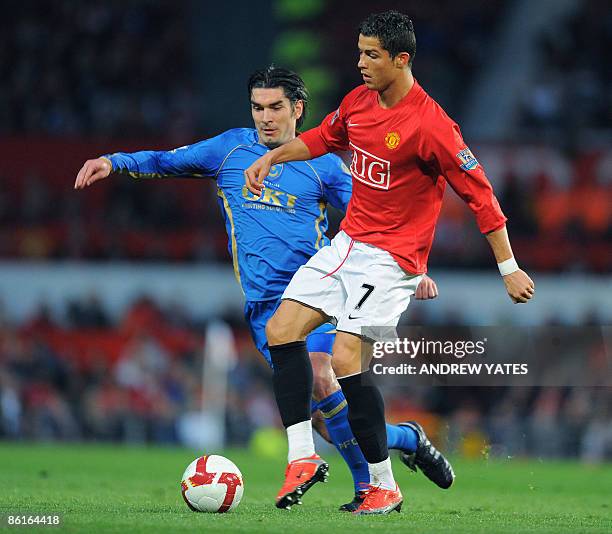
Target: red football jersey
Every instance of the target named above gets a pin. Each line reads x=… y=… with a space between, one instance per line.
x=402 y=159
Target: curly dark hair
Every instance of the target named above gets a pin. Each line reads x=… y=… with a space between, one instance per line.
x=293 y=86
x=394 y=30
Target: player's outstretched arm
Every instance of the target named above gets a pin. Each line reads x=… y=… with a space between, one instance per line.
x=295 y=150
x=519 y=286
x=199 y=160
x=427 y=289
x=92 y=171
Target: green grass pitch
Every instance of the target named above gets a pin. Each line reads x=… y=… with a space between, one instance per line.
x=133 y=489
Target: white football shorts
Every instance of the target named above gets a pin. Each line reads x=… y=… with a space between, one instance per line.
x=359 y=286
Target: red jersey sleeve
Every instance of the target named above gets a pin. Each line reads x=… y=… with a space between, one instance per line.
x=443 y=144
x=330 y=135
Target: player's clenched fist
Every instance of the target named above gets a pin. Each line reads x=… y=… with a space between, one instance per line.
x=427 y=289
x=92 y=171
x=519 y=286
x=255 y=174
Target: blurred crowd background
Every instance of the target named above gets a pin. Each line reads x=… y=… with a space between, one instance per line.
x=82 y=79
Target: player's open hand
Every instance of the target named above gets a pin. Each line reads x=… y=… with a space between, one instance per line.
x=519 y=286
x=427 y=289
x=92 y=171
x=256 y=173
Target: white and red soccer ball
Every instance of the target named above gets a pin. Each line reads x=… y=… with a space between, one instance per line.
x=212 y=484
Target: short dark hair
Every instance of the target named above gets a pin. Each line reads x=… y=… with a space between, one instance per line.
x=293 y=86
x=394 y=30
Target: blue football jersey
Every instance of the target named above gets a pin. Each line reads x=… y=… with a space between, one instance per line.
x=269 y=237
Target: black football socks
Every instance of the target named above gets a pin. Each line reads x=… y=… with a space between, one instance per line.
x=366 y=415
x=292 y=381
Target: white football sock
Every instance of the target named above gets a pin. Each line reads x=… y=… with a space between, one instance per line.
x=301 y=444
x=382 y=475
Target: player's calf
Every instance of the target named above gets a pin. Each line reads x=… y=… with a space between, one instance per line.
x=366 y=406
x=318 y=424
x=325 y=383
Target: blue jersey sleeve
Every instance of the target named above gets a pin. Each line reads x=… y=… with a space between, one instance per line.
x=199 y=160
x=337 y=183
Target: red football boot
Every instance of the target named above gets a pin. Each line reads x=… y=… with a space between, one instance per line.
x=300 y=476
x=380 y=501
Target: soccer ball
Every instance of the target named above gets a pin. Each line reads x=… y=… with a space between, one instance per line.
x=212 y=484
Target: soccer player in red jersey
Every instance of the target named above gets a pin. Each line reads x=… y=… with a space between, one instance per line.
x=405 y=148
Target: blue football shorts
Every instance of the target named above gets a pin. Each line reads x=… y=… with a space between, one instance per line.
x=258 y=313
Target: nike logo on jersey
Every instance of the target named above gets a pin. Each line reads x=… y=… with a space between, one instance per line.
x=335 y=117
x=351 y=124
x=351 y=317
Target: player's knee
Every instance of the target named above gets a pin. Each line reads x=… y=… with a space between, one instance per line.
x=347 y=355
x=280 y=331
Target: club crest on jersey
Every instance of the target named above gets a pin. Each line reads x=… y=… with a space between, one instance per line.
x=467 y=159
x=370 y=169
x=392 y=140
x=275 y=171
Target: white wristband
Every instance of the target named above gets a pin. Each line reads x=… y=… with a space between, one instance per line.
x=508 y=267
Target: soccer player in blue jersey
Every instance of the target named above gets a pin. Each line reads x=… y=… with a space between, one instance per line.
x=272 y=236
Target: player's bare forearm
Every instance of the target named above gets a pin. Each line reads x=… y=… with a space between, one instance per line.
x=519 y=286
x=295 y=150
x=500 y=244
